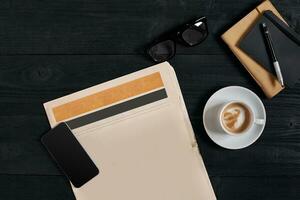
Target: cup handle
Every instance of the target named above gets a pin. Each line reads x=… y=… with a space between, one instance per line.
x=260 y=121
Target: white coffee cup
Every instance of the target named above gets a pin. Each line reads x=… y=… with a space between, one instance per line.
x=250 y=121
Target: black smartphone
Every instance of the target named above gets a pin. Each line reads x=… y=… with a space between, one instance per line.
x=70 y=155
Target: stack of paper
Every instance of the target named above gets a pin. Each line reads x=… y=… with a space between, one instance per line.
x=137 y=131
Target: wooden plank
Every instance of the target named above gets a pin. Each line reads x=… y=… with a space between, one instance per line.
x=249 y=188
x=114 y=27
x=4 y=5
x=28 y=81
x=15 y=187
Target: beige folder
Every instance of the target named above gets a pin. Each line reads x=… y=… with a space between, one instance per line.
x=267 y=81
x=137 y=131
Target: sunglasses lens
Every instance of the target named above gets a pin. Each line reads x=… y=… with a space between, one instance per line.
x=162 y=51
x=195 y=34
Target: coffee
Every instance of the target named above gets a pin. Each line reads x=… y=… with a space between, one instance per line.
x=236 y=117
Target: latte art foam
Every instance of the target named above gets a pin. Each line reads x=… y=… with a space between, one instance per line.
x=236 y=117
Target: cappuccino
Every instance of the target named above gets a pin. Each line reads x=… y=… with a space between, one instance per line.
x=236 y=117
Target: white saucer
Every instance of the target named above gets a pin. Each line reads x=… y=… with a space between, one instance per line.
x=212 y=127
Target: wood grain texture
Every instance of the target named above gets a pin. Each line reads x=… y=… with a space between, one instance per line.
x=52 y=48
x=35 y=187
x=233 y=188
x=32 y=80
x=114 y=27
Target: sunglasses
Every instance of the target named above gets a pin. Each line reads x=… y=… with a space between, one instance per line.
x=190 y=34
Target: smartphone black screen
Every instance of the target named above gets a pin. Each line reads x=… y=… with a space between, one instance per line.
x=69 y=155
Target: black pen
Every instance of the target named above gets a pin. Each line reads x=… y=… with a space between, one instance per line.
x=276 y=65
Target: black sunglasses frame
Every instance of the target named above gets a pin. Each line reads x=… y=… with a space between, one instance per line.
x=176 y=36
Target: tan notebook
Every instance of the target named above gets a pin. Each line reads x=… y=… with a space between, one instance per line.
x=137 y=131
x=267 y=81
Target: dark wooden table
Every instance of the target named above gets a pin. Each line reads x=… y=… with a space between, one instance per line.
x=51 y=48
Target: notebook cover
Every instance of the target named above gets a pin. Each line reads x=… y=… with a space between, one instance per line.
x=286 y=49
x=266 y=80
